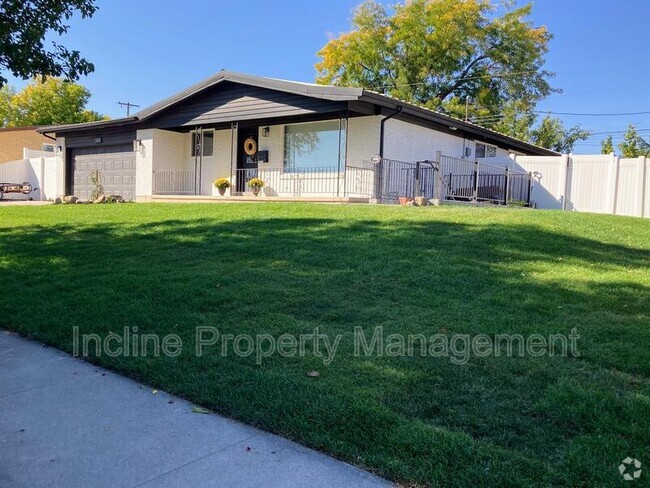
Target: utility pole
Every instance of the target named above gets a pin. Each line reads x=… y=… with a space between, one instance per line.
x=466 y=109
x=128 y=106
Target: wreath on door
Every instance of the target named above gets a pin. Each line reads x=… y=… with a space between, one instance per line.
x=250 y=146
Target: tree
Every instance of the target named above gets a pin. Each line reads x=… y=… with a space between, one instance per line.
x=45 y=102
x=633 y=144
x=23 y=27
x=607 y=145
x=551 y=134
x=440 y=53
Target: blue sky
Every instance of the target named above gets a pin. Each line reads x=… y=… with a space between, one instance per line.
x=145 y=50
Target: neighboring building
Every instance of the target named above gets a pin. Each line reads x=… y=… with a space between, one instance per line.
x=14 y=139
x=303 y=140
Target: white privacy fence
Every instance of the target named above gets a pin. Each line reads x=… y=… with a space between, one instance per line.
x=41 y=172
x=599 y=183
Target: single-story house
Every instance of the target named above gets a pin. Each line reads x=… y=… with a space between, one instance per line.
x=14 y=141
x=301 y=139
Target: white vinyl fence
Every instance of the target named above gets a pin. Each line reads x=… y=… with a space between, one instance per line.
x=601 y=183
x=41 y=172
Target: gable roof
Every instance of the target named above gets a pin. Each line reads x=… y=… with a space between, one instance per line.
x=324 y=92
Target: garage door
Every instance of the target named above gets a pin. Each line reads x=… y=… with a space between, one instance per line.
x=116 y=165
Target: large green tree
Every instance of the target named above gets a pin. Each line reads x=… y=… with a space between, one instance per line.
x=552 y=134
x=23 y=27
x=45 y=102
x=441 y=53
x=633 y=145
x=460 y=57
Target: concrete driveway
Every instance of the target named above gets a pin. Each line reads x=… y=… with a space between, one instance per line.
x=67 y=423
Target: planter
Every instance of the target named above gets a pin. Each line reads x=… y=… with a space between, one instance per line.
x=256 y=191
x=222 y=191
x=421 y=201
x=405 y=200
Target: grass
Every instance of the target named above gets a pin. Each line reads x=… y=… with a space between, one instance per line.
x=288 y=268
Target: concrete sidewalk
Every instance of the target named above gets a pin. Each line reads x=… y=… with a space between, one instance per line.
x=67 y=423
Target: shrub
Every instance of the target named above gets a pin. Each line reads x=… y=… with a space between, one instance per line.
x=96 y=180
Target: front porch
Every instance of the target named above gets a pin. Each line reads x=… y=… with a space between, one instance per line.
x=314 y=160
x=355 y=182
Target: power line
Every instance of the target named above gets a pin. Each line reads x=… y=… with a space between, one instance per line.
x=612 y=132
x=496 y=75
x=591 y=114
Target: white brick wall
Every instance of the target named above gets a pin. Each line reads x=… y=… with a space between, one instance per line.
x=217 y=166
x=404 y=141
x=363 y=138
x=144 y=165
x=409 y=142
x=159 y=150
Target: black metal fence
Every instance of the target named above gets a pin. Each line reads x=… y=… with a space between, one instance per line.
x=452 y=179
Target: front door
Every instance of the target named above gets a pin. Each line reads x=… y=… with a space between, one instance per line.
x=246 y=156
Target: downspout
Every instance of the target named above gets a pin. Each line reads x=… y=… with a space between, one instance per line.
x=380 y=166
x=382 y=128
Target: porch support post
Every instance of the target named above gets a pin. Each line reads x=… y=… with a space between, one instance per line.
x=233 y=155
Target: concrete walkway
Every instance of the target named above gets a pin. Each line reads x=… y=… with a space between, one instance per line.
x=67 y=423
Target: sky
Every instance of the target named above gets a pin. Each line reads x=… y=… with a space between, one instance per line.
x=145 y=50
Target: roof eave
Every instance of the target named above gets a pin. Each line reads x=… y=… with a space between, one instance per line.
x=455 y=124
x=100 y=124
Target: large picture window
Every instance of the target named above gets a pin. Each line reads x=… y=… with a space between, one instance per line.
x=315 y=146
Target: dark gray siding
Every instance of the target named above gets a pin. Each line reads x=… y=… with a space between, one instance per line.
x=109 y=137
x=230 y=102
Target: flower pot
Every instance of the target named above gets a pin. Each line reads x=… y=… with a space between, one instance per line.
x=421 y=201
x=222 y=191
x=405 y=200
x=256 y=191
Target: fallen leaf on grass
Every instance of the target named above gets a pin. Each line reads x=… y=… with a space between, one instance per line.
x=200 y=410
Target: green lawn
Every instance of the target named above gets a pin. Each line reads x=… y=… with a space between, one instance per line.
x=288 y=268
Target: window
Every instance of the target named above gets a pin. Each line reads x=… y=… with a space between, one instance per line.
x=208 y=142
x=316 y=146
x=48 y=147
x=485 y=150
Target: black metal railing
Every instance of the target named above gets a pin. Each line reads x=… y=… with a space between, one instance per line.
x=406 y=179
x=451 y=179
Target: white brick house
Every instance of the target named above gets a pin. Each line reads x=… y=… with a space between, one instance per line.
x=303 y=140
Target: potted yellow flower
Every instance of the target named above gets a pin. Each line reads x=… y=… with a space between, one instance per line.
x=256 y=185
x=221 y=184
